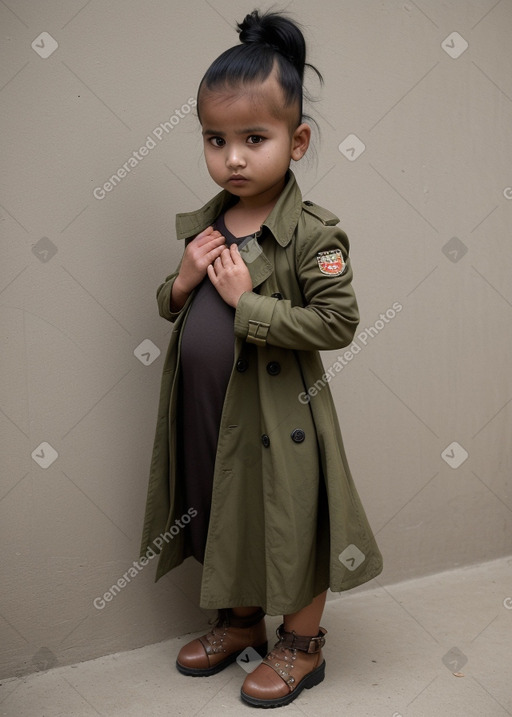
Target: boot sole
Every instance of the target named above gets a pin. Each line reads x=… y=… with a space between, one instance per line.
x=208 y=671
x=311 y=680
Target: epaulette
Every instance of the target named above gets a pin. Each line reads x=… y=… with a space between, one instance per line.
x=324 y=215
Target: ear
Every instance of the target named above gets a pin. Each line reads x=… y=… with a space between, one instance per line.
x=300 y=141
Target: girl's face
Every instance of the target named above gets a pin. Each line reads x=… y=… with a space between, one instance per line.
x=248 y=141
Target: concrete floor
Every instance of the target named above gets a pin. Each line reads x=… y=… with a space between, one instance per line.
x=391 y=652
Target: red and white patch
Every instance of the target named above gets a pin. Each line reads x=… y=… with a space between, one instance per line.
x=331 y=262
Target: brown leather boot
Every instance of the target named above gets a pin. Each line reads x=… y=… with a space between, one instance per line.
x=229 y=637
x=295 y=664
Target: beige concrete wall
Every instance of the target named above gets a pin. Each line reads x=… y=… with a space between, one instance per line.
x=424 y=393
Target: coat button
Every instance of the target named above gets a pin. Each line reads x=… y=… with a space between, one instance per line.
x=277 y=295
x=265 y=440
x=308 y=203
x=298 y=435
x=273 y=368
x=242 y=365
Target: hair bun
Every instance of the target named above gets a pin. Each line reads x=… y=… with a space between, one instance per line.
x=277 y=32
x=270 y=42
x=252 y=28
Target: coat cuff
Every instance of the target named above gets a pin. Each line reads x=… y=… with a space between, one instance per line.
x=164 y=300
x=253 y=316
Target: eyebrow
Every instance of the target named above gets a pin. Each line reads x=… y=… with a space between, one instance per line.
x=246 y=130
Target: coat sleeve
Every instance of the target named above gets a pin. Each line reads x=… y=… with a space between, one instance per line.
x=163 y=297
x=329 y=317
x=164 y=291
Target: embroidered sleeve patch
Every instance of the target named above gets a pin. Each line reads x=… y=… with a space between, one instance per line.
x=331 y=262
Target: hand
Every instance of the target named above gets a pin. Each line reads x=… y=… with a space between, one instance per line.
x=230 y=276
x=198 y=255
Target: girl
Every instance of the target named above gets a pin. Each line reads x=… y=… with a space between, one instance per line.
x=249 y=473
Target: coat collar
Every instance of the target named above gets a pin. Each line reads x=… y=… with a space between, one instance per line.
x=281 y=221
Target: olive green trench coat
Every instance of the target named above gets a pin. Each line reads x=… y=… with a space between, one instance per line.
x=286 y=521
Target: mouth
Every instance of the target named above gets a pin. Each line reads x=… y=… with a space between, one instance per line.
x=237 y=179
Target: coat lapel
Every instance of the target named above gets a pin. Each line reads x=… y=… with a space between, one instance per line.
x=260 y=267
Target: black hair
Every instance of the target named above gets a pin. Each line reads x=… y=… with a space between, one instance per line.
x=266 y=40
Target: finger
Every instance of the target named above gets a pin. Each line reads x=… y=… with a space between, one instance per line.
x=225 y=257
x=238 y=259
x=214 y=236
x=211 y=273
x=214 y=253
x=235 y=254
x=203 y=235
x=207 y=235
x=206 y=246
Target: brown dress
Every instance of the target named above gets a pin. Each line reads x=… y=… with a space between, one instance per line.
x=207 y=352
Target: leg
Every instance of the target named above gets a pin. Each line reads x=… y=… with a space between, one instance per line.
x=244 y=611
x=234 y=630
x=307 y=620
x=296 y=662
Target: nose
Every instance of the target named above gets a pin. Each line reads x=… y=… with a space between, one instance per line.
x=235 y=158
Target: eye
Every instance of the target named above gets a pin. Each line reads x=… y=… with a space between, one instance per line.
x=217 y=141
x=255 y=139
